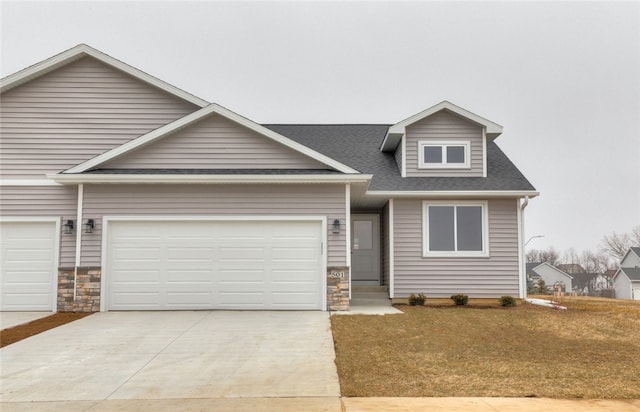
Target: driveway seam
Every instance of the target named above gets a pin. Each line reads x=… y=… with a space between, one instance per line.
x=156 y=355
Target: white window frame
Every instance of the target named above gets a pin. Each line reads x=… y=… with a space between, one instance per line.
x=465 y=253
x=444 y=144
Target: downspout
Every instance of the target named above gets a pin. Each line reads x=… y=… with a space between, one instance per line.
x=523 y=266
x=78 y=239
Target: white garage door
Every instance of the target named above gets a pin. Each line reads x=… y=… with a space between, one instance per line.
x=28 y=266
x=155 y=265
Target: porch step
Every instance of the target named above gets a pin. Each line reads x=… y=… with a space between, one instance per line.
x=369 y=295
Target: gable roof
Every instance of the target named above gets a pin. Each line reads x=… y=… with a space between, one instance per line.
x=396 y=131
x=357 y=145
x=632 y=273
x=532 y=269
x=192 y=118
x=80 y=51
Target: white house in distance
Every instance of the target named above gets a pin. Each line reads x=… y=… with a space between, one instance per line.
x=627 y=277
x=550 y=274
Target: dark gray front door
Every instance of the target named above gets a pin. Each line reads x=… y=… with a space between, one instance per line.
x=365 y=249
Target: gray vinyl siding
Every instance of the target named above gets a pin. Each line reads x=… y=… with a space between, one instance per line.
x=398 y=156
x=219 y=143
x=494 y=276
x=444 y=125
x=214 y=200
x=551 y=276
x=622 y=287
x=44 y=201
x=77 y=112
x=384 y=233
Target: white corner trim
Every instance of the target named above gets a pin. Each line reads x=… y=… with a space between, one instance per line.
x=206 y=179
x=190 y=119
x=403 y=147
x=28 y=182
x=391 y=252
x=484 y=152
x=522 y=276
x=82 y=50
x=347 y=226
x=78 y=239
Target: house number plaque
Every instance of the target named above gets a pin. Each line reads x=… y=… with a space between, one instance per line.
x=336 y=275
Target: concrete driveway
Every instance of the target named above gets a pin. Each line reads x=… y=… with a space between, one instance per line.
x=174 y=355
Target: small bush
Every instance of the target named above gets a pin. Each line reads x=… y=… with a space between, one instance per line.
x=460 y=300
x=417 y=300
x=507 y=301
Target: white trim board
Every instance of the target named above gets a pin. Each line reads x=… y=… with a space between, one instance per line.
x=206 y=179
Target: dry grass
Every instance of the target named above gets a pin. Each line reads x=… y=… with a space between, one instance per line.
x=589 y=351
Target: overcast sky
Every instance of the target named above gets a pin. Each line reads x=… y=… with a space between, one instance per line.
x=562 y=78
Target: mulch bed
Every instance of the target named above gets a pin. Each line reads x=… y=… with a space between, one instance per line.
x=17 y=333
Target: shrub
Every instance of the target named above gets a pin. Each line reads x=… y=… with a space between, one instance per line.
x=507 y=301
x=460 y=300
x=417 y=300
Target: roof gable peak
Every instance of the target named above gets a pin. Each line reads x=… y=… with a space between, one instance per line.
x=82 y=50
x=396 y=131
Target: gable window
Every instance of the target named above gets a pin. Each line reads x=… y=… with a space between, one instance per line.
x=443 y=155
x=455 y=229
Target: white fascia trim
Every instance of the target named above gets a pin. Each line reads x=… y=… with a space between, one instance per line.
x=484 y=152
x=182 y=218
x=493 y=129
x=452 y=194
x=28 y=182
x=403 y=157
x=207 y=179
x=391 y=252
x=82 y=50
x=191 y=118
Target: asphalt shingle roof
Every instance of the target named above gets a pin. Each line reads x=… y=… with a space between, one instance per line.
x=358 y=146
x=632 y=273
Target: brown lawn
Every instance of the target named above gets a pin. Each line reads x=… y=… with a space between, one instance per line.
x=591 y=350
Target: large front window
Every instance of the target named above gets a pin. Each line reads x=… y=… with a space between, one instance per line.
x=455 y=229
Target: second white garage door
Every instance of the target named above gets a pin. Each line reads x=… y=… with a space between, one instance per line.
x=168 y=265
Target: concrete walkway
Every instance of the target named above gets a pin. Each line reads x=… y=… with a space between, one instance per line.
x=332 y=404
x=11 y=319
x=369 y=300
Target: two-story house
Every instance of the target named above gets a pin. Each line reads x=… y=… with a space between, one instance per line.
x=122 y=192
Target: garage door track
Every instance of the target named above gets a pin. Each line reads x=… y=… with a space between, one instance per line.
x=171 y=355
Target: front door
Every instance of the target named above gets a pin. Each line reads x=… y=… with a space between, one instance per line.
x=365 y=249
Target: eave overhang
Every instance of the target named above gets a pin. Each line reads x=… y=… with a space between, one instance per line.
x=71 y=179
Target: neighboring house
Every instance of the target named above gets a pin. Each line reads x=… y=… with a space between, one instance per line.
x=551 y=275
x=122 y=192
x=571 y=268
x=626 y=281
x=592 y=284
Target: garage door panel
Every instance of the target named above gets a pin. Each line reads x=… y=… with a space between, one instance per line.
x=220 y=264
x=28 y=266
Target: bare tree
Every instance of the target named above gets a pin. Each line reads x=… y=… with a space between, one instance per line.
x=594 y=262
x=635 y=236
x=616 y=245
x=549 y=255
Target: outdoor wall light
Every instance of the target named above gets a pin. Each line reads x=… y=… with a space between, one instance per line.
x=68 y=227
x=89 y=226
x=336 y=227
